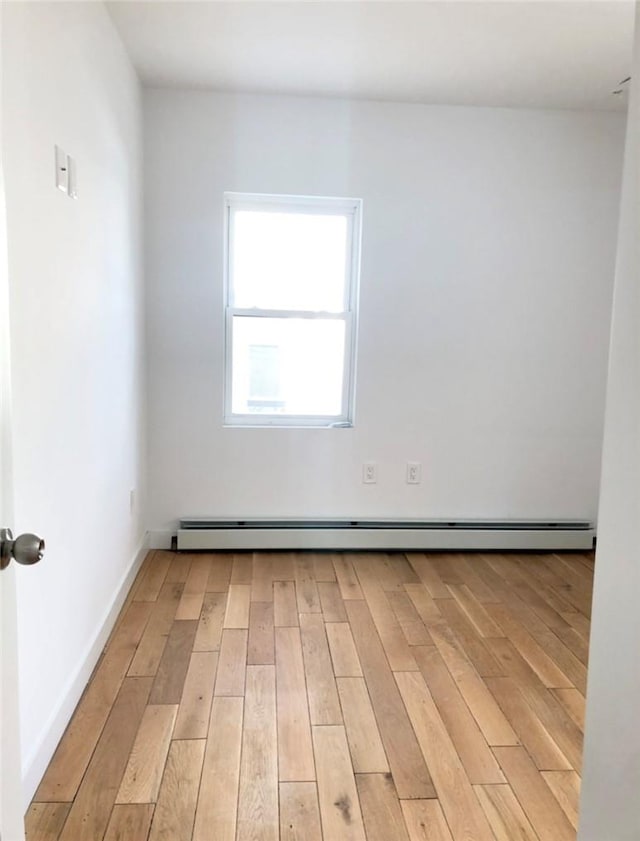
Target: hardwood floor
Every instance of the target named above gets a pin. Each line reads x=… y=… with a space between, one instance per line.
x=332 y=697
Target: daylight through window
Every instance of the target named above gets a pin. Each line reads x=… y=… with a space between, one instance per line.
x=291 y=294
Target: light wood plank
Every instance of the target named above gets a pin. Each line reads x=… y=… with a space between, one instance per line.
x=426 y=607
x=151 y=583
x=343 y=650
x=44 y=821
x=324 y=706
x=380 y=806
x=565 y=786
x=522 y=613
x=482 y=591
x=299 y=812
x=543 y=750
x=331 y=601
x=154 y=639
x=532 y=652
x=579 y=622
x=142 y=776
x=571 y=667
x=179 y=569
x=554 y=718
x=285 y=606
x=261 y=651
x=425 y=820
x=142 y=571
x=476 y=613
x=407 y=764
x=505 y=814
x=72 y=755
x=175 y=811
x=574 y=703
x=428 y=575
x=216 y=811
x=323 y=570
x=575 y=642
x=242 y=568
x=469 y=640
x=347 y=579
x=194 y=588
x=363 y=736
x=446 y=566
x=238 y=602
x=413 y=627
x=539 y=804
x=384 y=571
x=220 y=573
x=169 y=680
x=295 y=753
x=460 y=806
x=232 y=662
x=190 y=606
x=400 y=568
x=283 y=566
x=491 y=720
x=130 y=822
x=262 y=578
x=553 y=598
x=306 y=587
x=393 y=640
x=535 y=600
x=209 y=633
x=195 y=704
x=337 y=794
x=476 y=757
x=91 y=809
x=258 y=818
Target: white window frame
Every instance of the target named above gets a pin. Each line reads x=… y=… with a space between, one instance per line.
x=352 y=210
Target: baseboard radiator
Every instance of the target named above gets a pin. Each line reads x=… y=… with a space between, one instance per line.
x=382 y=534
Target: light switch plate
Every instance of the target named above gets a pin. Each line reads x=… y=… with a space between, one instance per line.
x=65 y=173
x=62 y=170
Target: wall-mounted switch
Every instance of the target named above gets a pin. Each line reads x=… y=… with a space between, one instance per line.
x=369 y=473
x=414 y=472
x=62 y=170
x=65 y=173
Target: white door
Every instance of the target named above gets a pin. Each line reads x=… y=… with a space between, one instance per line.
x=11 y=826
x=11 y=805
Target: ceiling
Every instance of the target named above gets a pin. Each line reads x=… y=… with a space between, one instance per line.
x=517 y=54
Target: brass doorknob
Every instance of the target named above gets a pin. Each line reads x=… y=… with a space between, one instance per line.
x=26 y=549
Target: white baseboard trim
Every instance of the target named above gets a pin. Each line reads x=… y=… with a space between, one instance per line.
x=161 y=539
x=36 y=763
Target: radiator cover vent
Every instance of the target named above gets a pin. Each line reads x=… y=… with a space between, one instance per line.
x=382 y=534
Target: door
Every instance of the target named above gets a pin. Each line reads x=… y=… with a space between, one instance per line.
x=11 y=824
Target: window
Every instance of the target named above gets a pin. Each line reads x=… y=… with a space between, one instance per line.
x=291 y=303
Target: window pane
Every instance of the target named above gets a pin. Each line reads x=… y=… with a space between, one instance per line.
x=287 y=366
x=288 y=260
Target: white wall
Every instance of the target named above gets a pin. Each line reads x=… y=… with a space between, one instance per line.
x=488 y=253
x=610 y=808
x=77 y=344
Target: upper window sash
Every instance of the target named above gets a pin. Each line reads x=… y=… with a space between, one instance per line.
x=347 y=209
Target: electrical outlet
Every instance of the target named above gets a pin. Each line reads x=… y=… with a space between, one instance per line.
x=414 y=472
x=369 y=473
